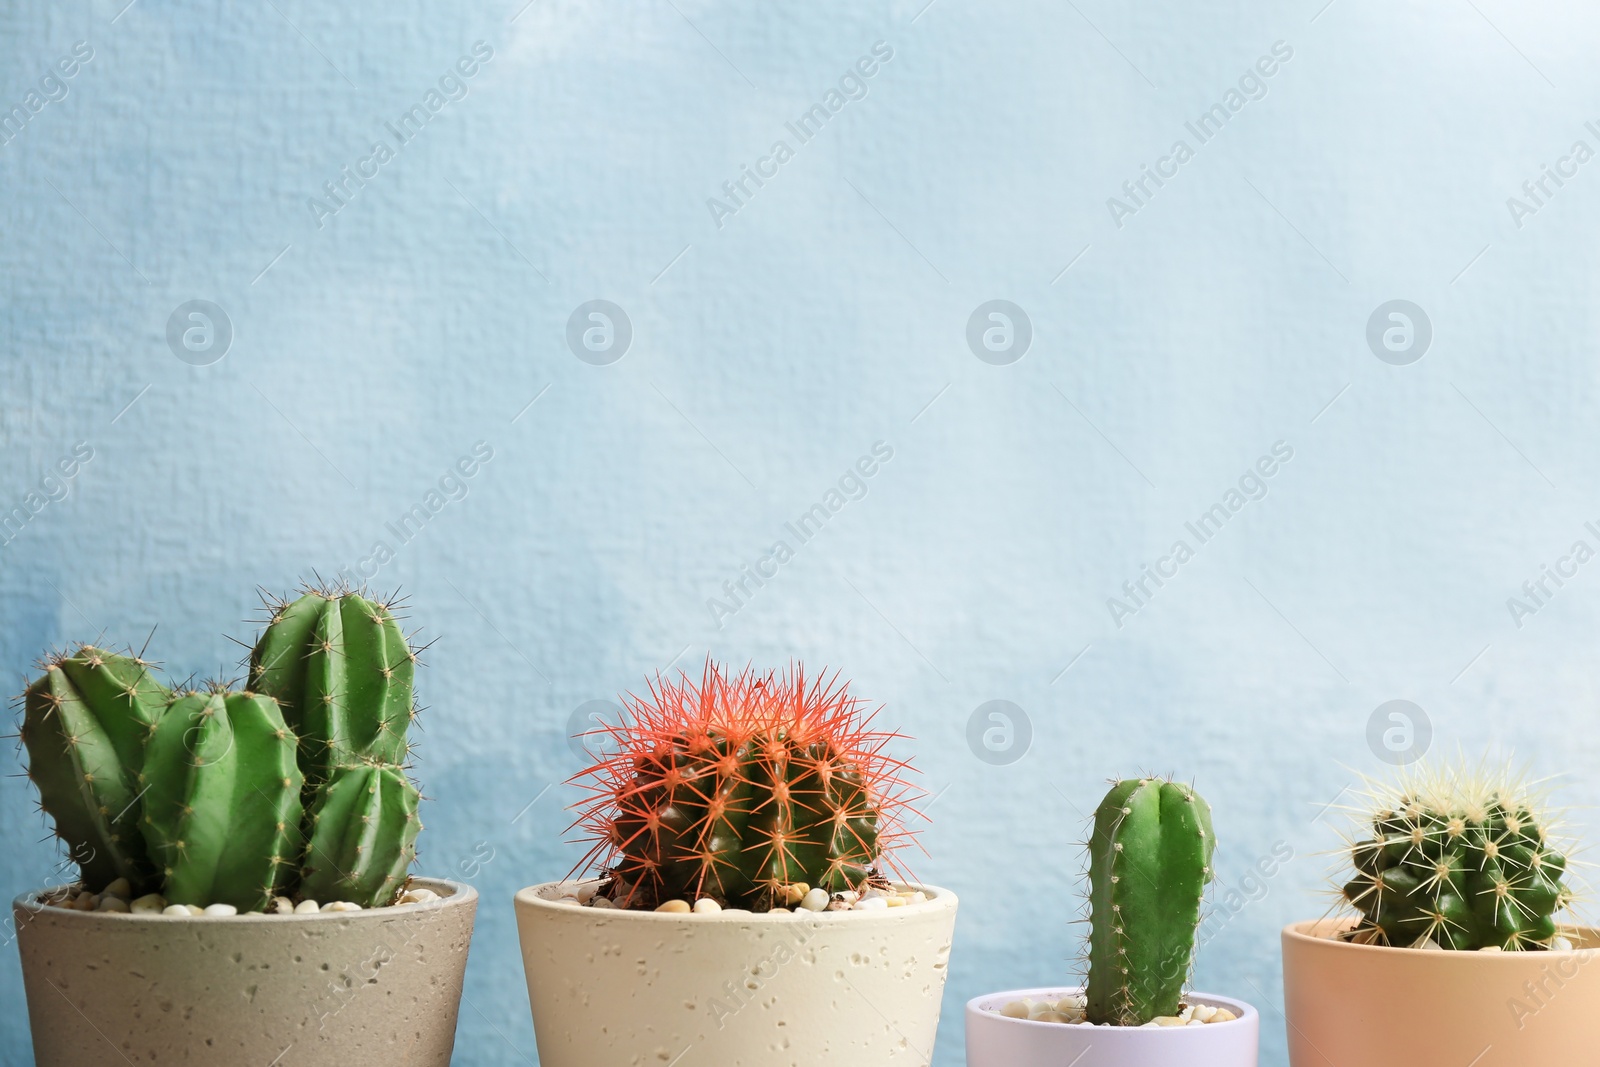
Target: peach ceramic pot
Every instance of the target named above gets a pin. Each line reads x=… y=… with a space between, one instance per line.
x=329 y=989
x=610 y=988
x=1372 y=1006
x=996 y=1041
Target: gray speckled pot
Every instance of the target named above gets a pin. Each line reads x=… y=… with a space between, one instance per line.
x=335 y=988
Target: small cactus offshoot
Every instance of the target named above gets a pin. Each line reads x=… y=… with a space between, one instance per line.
x=1456 y=858
x=740 y=785
x=296 y=786
x=1149 y=864
x=85 y=723
x=342 y=670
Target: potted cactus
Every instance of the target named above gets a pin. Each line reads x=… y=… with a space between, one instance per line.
x=242 y=857
x=1149 y=865
x=741 y=902
x=1448 y=943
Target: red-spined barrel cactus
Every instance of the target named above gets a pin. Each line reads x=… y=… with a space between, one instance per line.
x=740 y=786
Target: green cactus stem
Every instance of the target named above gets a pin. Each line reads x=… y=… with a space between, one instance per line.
x=1456 y=859
x=1149 y=864
x=364 y=829
x=222 y=805
x=85 y=723
x=340 y=667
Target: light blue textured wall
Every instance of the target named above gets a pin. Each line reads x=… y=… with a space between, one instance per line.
x=1219 y=314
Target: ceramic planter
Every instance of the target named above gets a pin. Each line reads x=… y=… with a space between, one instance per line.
x=996 y=1041
x=1387 y=1007
x=612 y=987
x=336 y=988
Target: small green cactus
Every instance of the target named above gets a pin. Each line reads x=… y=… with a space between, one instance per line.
x=222 y=800
x=85 y=722
x=1458 y=859
x=363 y=836
x=339 y=665
x=1149 y=864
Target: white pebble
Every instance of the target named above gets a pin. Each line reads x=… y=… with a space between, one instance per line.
x=220 y=909
x=872 y=904
x=85 y=901
x=585 y=892
x=119 y=887
x=150 y=903
x=195 y=909
x=1223 y=1015
x=919 y=897
x=675 y=907
x=109 y=903
x=341 y=905
x=1045 y=1015
x=602 y=903
x=176 y=909
x=423 y=896
x=1016 y=1009
x=1203 y=1012
x=706 y=906
x=306 y=907
x=282 y=906
x=849 y=896
x=815 y=900
x=1560 y=944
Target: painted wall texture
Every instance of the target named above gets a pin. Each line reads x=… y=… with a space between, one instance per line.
x=1198 y=497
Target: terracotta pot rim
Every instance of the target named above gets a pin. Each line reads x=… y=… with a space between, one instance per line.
x=1315 y=931
x=939 y=899
x=1244 y=1010
x=451 y=895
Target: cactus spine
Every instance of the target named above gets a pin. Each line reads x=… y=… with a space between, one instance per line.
x=85 y=722
x=222 y=800
x=363 y=836
x=1456 y=859
x=1149 y=863
x=740 y=786
x=340 y=667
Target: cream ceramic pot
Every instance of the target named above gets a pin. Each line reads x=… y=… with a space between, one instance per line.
x=612 y=988
x=993 y=1040
x=1373 y=1006
x=331 y=989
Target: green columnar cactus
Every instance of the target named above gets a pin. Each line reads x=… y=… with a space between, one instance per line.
x=85 y=722
x=740 y=787
x=363 y=836
x=1149 y=863
x=339 y=665
x=1459 y=860
x=222 y=803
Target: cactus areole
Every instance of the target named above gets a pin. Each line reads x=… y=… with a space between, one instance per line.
x=1149 y=864
x=1456 y=859
x=740 y=785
